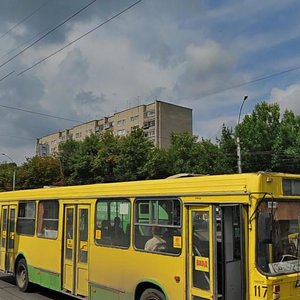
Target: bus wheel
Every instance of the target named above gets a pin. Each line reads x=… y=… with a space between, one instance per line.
x=152 y=294
x=22 y=279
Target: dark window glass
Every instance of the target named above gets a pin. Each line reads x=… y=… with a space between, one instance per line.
x=278 y=236
x=158 y=225
x=11 y=228
x=83 y=235
x=69 y=235
x=48 y=219
x=4 y=228
x=26 y=218
x=113 y=222
x=200 y=242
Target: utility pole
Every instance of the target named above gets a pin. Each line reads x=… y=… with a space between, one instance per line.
x=238 y=145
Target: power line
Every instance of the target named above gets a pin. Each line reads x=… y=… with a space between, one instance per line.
x=23 y=20
x=20 y=45
x=48 y=32
x=39 y=113
x=254 y=80
x=80 y=37
x=52 y=116
x=6 y=76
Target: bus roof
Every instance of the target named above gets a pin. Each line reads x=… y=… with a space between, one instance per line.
x=245 y=183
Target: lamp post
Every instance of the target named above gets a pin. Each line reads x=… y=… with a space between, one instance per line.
x=14 y=173
x=238 y=145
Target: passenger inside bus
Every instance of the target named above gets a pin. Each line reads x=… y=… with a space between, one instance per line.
x=156 y=243
x=117 y=233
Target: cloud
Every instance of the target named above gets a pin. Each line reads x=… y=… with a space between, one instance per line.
x=207 y=69
x=184 y=52
x=288 y=98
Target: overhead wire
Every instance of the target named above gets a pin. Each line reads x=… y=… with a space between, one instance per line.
x=80 y=37
x=24 y=19
x=254 y=80
x=39 y=113
x=7 y=75
x=47 y=33
x=100 y=25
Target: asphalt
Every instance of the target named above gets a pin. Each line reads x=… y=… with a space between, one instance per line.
x=9 y=291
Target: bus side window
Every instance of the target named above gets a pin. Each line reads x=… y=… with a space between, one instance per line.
x=158 y=225
x=26 y=218
x=112 y=220
x=47 y=225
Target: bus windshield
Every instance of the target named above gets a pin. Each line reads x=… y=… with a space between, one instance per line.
x=278 y=237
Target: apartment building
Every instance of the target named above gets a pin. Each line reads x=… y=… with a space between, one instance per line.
x=158 y=120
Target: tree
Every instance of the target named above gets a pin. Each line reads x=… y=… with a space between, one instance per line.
x=227 y=160
x=257 y=133
x=158 y=164
x=6 y=175
x=286 y=150
x=38 y=171
x=122 y=158
x=134 y=151
x=183 y=153
x=77 y=158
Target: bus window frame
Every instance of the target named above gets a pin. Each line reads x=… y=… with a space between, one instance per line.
x=35 y=217
x=112 y=199
x=258 y=268
x=157 y=198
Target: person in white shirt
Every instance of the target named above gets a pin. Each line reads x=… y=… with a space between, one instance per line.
x=156 y=243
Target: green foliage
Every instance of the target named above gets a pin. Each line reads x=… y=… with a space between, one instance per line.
x=227 y=161
x=183 y=153
x=286 y=150
x=158 y=164
x=37 y=172
x=6 y=176
x=134 y=151
x=257 y=133
x=77 y=160
x=188 y=155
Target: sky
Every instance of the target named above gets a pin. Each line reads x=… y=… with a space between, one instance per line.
x=202 y=54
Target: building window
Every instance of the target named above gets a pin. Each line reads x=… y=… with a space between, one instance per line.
x=134 y=118
x=121 y=122
x=148 y=114
x=113 y=223
x=149 y=133
x=149 y=124
x=26 y=218
x=99 y=128
x=78 y=135
x=47 y=226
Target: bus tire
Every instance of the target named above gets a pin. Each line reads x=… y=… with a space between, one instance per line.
x=22 y=278
x=152 y=294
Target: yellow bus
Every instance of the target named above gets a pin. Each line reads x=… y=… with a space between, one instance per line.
x=223 y=237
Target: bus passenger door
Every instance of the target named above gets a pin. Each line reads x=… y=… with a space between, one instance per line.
x=76 y=241
x=202 y=259
x=8 y=229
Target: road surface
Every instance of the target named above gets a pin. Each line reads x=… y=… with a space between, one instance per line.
x=9 y=291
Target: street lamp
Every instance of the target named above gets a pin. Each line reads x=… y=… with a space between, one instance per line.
x=239 y=156
x=14 y=173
